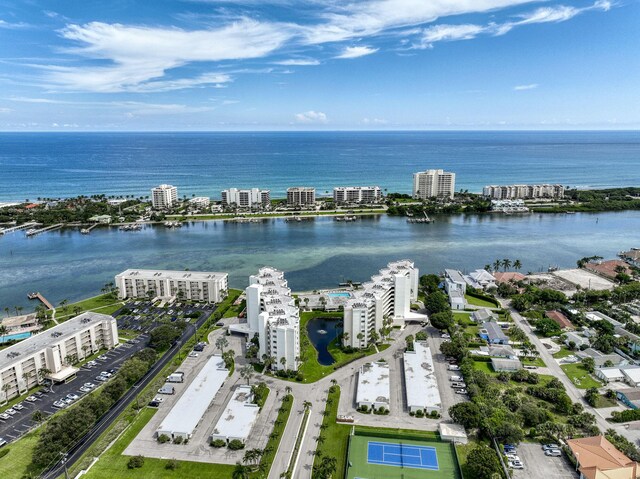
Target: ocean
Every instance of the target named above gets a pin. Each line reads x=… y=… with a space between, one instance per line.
x=39 y=165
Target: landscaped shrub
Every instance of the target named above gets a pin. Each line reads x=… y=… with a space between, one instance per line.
x=163 y=438
x=434 y=414
x=236 y=444
x=178 y=440
x=135 y=462
x=364 y=409
x=218 y=443
x=171 y=465
x=419 y=413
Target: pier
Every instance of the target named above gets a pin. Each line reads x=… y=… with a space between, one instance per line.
x=18 y=228
x=34 y=232
x=426 y=219
x=86 y=231
x=42 y=299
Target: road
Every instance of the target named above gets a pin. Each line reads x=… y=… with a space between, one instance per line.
x=75 y=452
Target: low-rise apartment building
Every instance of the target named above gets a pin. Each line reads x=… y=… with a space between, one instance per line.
x=301 y=196
x=511 y=192
x=52 y=353
x=387 y=296
x=248 y=198
x=356 y=194
x=208 y=287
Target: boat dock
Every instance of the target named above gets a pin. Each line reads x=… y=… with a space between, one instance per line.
x=11 y=229
x=34 y=232
x=42 y=299
x=86 y=231
x=426 y=219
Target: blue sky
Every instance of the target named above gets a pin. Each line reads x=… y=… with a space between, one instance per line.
x=319 y=64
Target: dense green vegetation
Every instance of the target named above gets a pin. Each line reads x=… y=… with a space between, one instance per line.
x=613 y=199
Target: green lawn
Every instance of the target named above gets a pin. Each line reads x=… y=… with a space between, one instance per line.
x=563 y=353
x=483 y=366
x=533 y=362
x=278 y=428
x=336 y=436
x=17 y=463
x=580 y=377
x=604 y=401
x=105 y=304
x=463 y=319
x=479 y=302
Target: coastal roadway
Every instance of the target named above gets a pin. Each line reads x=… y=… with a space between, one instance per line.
x=76 y=451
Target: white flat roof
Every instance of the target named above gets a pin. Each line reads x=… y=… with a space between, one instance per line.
x=421 y=384
x=189 y=409
x=610 y=373
x=373 y=383
x=39 y=342
x=632 y=373
x=173 y=274
x=238 y=416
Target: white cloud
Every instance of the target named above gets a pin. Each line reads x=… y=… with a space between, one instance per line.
x=374 y=121
x=135 y=108
x=298 y=62
x=12 y=26
x=311 y=117
x=530 y=86
x=141 y=55
x=5 y=110
x=355 y=52
x=555 y=14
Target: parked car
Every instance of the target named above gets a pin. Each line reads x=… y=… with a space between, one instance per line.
x=18 y=407
x=2 y=442
x=547 y=447
x=89 y=385
x=31 y=398
x=101 y=378
x=456 y=378
x=516 y=465
x=445 y=336
x=461 y=391
x=193 y=354
x=4 y=416
x=453 y=367
x=11 y=412
x=220 y=323
x=512 y=457
x=85 y=389
x=154 y=404
x=553 y=452
x=39 y=394
x=60 y=404
x=66 y=400
x=458 y=385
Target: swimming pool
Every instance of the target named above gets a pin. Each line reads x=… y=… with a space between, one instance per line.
x=339 y=295
x=14 y=337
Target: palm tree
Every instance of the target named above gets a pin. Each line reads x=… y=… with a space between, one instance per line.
x=496 y=265
x=283 y=361
x=3 y=331
x=5 y=390
x=517 y=265
x=287 y=390
x=360 y=337
x=345 y=337
x=323 y=302
x=268 y=361
x=307 y=404
x=241 y=471
x=221 y=343
x=506 y=263
x=6 y=310
x=334 y=382
x=246 y=372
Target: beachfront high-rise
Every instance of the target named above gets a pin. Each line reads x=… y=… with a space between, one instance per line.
x=387 y=297
x=248 y=198
x=434 y=184
x=356 y=194
x=301 y=196
x=272 y=314
x=207 y=287
x=510 y=192
x=164 y=197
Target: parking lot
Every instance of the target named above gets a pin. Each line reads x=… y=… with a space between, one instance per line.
x=448 y=394
x=539 y=466
x=143 y=316
x=21 y=422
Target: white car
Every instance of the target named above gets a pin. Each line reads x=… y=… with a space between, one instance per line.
x=548 y=447
x=445 y=336
x=73 y=397
x=60 y=404
x=453 y=367
x=461 y=391
x=193 y=354
x=85 y=389
x=516 y=465
x=18 y=407
x=89 y=385
x=158 y=399
x=513 y=457
x=4 y=416
x=102 y=378
x=11 y=412
x=456 y=378
x=553 y=452
x=31 y=398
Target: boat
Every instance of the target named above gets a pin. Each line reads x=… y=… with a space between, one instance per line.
x=173 y=224
x=346 y=219
x=85 y=231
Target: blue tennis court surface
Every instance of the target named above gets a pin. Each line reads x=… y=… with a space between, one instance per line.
x=402 y=455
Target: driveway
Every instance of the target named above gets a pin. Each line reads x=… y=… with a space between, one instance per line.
x=539 y=466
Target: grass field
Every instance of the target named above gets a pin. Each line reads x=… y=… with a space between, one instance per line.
x=563 y=353
x=579 y=376
x=447 y=465
x=105 y=304
x=16 y=464
x=479 y=302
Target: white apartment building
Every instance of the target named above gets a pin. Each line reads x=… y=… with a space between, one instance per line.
x=434 y=184
x=55 y=349
x=272 y=314
x=250 y=198
x=512 y=192
x=356 y=194
x=208 y=287
x=388 y=295
x=301 y=195
x=200 y=202
x=164 y=197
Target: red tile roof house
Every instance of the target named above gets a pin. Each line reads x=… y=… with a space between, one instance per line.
x=599 y=459
x=608 y=268
x=560 y=319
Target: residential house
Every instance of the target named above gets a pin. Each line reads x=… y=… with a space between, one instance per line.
x=507 y=365
x=491 y=332
x=560 y=319
x=482 y=315
x=480 y=279
x=577 y=339
x=508 y=277
x=608 y=269
x=597 y=458
x=500 y=351
x=600 y=359
x=456 y=287
x=632 y=257
x=629 y=373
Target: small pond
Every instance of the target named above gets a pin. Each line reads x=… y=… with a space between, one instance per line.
x=321 y=332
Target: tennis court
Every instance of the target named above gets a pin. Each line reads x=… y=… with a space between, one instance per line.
x=399 y=456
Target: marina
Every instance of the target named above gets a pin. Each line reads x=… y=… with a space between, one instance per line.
x=34 y=231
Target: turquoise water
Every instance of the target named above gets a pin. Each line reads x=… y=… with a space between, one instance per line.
x=320 y=253
x=339 y=295
x=14 y=337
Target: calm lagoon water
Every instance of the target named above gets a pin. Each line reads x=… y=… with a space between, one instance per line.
x=321 y=332
x=314 y=254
